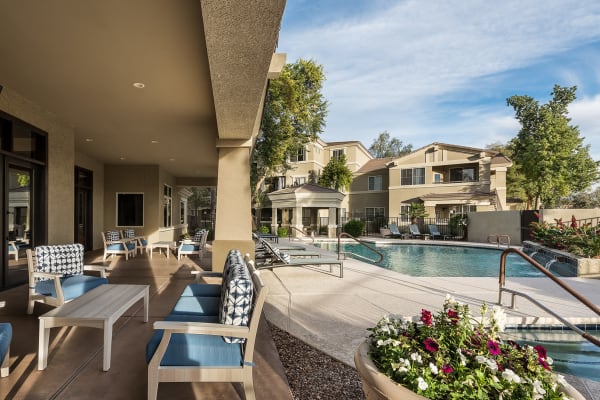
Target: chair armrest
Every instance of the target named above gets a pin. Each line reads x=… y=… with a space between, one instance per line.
x=98 y=268
x=188 y=241
x=48 y=275
x=207 y=273
x=60 y=297
x=203 y=328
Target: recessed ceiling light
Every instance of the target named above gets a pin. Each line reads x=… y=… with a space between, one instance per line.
x=171 y=159
x=89 y=139
x=154 y=142
x=139 y=85
x=121 y=158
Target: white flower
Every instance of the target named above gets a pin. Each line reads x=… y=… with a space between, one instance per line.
x=492 y=365
x=549 y=360
x=433 y=368
x=379 y=343
x=416 y=357
x=422 y=384
x=402 y=369
x=499 y=316
x=463 y=359
x=450 y=299
x=480 y=359
x=510 y=376
x=538 y=390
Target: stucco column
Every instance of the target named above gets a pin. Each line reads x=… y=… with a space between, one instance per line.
x=274 y=224
x=233 y=226
x=332 y=225
x=297 y=222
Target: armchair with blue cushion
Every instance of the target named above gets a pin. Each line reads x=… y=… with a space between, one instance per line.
x=140 y=241
x=195 y=245
x=5 y=339
x=13 y=250
x=56 y=274
x=113 y=244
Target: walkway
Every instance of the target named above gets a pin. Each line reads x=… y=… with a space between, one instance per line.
x=332 y=314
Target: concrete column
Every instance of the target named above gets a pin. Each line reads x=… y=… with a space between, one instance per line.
x=332 y=225
x=233 y=226
x=274 y=225
x=297 y=222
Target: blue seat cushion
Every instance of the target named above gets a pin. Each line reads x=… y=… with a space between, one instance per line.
x=189 y=247
x=5 y=338
x=196 y=350
x=144 y=242
x=72 y=286
x=192 y=318
x=202 y=289
x=119 y=246
x=197 y=305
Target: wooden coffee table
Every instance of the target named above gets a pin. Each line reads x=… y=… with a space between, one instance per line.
x=98 y=308
x=168 y=246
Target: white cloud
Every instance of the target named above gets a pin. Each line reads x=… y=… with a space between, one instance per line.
x=585 y=114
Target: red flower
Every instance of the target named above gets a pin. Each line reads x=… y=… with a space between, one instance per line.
x=426 y=317
x=453 y=315
x=447 y=369
x=540 y=350
x=493 y=347
x=543 y=363
x=431 y=345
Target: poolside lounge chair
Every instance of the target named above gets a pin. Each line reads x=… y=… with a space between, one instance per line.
x=266 y=252
x=394 y=230
x=435 y=233
x=414 y=231
x=281 y=259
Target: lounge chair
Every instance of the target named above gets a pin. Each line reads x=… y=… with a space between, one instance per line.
x=394 y=231
x=266 y=252
x=435 y=233
x=414 y=231
x=281 y=259
x=56 y=274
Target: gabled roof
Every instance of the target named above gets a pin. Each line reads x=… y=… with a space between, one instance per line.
x=349 y=143
x=467 y=149
x=500 y=160
x=374 y=165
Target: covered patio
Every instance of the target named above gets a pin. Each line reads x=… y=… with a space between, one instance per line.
x=74 y=368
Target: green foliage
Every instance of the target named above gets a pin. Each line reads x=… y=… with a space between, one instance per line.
x=548 y=152
x=452 y=355
x=264 y=229
x=582 y=240
x=336 y=174
x=383 y=146
x=354 y=227
x=417 y=210
x=514 y=178
x=457 y=223
x=282 y=231
x=294 y=115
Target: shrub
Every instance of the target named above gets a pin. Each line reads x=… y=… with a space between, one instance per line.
x=282 y=231
x=354 y=227
x=264 y=229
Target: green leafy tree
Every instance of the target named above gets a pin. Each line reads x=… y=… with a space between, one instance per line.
x=294 y=115
x=384 y=146
x=336 y=174
x=548 y=151
x=514 y=177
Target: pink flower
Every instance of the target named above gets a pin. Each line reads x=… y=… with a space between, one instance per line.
x=543 y=363
x=453 y=315
x=431 y=345
x=540 y=350
x=493 y=347
x=447 y=369
x=426 y=317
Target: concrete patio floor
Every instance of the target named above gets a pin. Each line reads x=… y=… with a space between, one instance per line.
x=75 y=355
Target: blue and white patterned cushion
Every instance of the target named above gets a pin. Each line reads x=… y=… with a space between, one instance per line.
x=129 y=233
x=198 y=235
x=60 y=259
x=112 y=236
x=236 y=297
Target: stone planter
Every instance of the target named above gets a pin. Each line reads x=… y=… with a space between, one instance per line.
x=377 y=386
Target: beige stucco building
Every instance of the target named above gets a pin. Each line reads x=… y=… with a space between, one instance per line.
x=109 y=110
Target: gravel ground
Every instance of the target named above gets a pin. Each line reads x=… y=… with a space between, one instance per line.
x=313 y=374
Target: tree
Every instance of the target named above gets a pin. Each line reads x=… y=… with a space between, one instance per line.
x=548 y=151
x=514 y=178
x=383 y=146
x=294 y=115
x=336 y=174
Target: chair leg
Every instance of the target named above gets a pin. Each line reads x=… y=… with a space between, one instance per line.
x=4 y=369
x=30 y=305
x=248 y=384
x=152 y=385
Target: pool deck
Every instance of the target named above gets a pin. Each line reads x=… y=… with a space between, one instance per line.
x=333 y=314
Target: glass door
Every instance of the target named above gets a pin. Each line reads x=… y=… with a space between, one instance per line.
x=19 y=220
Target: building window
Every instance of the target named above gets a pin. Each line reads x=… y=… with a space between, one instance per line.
x=437 y=178
x=130 y=209
x=337 y=153
x=375 y=182
x=182 y=211
x=404 y=212
x=279 y=182
x=412 y=176
x=372 y=212
x=300 y=155
x=301 y=180
x=167 y=205
x=467 y=174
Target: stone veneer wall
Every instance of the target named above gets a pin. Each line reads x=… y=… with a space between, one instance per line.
x=565 y=264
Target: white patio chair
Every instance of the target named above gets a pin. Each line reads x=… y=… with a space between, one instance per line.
x=141 y=243
x=113 y=244
x=195 y=245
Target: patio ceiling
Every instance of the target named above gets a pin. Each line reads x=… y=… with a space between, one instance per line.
x=203 y=63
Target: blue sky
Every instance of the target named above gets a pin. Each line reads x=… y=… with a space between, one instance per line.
x=441 y=71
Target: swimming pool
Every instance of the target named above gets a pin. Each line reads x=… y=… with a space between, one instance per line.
x=439 y=260
x=571 y=354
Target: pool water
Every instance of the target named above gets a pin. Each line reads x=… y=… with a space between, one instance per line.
x=571 y=353
x=439 y=260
